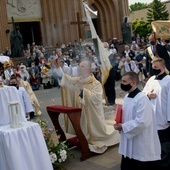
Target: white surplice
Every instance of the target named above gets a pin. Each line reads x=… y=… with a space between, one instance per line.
x=25 y=100
x=161 y=104
x=139 y=138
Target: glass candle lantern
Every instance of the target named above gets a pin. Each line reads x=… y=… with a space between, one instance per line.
x=15 y=114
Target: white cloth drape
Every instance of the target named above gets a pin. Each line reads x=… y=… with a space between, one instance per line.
x=23 y=148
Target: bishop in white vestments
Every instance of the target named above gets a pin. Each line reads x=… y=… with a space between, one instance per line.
x=86 y=92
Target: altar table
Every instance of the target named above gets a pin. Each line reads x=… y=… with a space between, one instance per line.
x=23 y=148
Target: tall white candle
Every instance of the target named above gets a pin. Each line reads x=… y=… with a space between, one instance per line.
x=15 y=120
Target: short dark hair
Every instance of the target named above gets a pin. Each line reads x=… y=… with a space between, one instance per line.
x=132 y=76
x=160 y=60
x=15 y=76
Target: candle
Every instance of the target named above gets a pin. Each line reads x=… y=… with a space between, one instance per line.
x=16 y=107
x=15 y=120
x=20 y=115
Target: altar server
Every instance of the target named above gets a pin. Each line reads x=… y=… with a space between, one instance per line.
x=139 y=144
x=157 y=89
x=24 y=98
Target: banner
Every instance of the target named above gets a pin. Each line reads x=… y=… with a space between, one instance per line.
x=101 y=52
x=161 y=28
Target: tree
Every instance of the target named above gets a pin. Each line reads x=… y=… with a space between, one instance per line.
x=143 y=28
x=138 y=6
x=157 y=11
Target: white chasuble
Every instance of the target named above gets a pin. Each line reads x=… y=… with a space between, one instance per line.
x=98 y=134
x=139 y=137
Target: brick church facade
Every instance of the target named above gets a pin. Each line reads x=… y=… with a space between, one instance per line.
x=51 y=22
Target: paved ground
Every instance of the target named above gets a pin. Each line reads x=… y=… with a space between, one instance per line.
x=108 y=160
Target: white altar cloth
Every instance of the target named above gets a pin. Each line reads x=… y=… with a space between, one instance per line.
x=8 y=94
x=23 y=148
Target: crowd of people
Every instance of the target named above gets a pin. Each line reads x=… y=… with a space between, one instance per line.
x=76 y=69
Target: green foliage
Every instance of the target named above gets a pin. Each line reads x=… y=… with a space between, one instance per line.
x=143 y=28
x=157 y=11
x=138 y=6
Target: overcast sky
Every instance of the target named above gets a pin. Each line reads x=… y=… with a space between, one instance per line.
x=141 y=1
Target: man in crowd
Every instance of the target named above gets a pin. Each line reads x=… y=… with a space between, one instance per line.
x=34 y=73
x=150 y=54
x=163 y=51
x=156 y=49
x=109 y=86
x=86 y=92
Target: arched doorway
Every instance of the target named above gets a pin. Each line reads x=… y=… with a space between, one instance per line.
x=108 y=21
x=97 y=20
x=31 y=32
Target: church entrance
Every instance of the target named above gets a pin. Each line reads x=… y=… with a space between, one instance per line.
x=31 y=32
x=96 y=21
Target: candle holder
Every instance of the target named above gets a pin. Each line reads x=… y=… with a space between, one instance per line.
x=15 y=114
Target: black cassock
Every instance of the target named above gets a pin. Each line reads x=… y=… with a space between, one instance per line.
x=162 y=53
